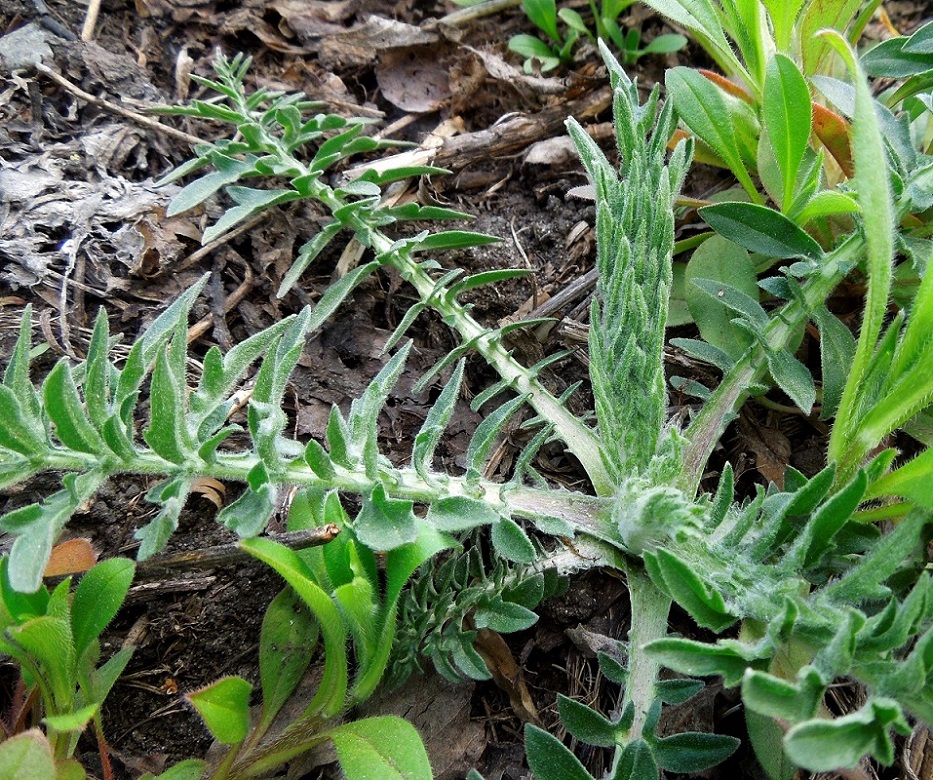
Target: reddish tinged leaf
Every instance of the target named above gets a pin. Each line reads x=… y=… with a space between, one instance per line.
x=833 y=132
x=727 y=86
x=701 y=152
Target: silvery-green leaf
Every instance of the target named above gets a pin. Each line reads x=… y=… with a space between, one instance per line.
x=64 y=408
x=363 y=422
x=455 y=239
x=251 y=512
x=19 y=432
x=585 y=724
x=704 y=603
x=436 y=420
x=306 y=255
x=837 y=349
x=36 y=527
x=549 y=759
x=793 y=378
x=484 y=437
x=694 y=751
x=460 y=513
x=895 y=58
x=777 y=698
x=511 y=542
x=228 y=171
x=249 y=202
x=505 y=617
x=170 y=496
x=824 y=745
x=385 y=523
x=167 y=430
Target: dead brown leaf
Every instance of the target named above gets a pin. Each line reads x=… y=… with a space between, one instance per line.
x=918 y=754
x=362 y=43
x=70 y=557
x=506 y=673
x=770 y=446
x=210 y=489
x=413 y=78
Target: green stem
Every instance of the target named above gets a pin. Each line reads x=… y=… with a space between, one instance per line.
x=709 y=425
x=298 y=738
x=222 y=772
x=580 y=439
x=650 y=609
x=586 y=513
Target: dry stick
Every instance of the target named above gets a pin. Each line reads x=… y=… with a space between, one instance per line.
x=90 y=20
x=514 y=135
x=205 y=250
x=578 y=288
x=200 y=327
x=465 y=15
x=118 y=109
x=503 y=139
x=157 y=567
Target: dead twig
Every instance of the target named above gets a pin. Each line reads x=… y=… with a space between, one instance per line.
x=114 y=108
x=157 y=567
x=201 y=326
x=505 y=138
x=90 y=20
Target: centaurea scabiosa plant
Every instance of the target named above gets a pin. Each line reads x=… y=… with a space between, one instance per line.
x=798 y=590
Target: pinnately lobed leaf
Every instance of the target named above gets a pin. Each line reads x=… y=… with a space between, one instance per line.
x=634 y=229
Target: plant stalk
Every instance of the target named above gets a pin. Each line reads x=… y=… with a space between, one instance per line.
x=709 y=425
x=650 y=609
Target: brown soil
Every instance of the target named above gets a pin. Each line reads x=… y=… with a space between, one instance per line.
x=85 y=175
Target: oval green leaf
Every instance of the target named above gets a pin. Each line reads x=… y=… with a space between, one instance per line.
x=762 y=230
x=224 y=705
x=385 y=747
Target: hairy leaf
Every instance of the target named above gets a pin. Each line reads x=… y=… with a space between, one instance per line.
x=224 y=705
x=549 y=759
x=723 y=261
x=760 y=229
x=825 y=745
x=97 y=599
x=385 y=523
x=386 y=747
x=586 y=724
x=694 y=751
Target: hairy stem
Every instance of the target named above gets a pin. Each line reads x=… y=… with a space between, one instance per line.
x=709 y=425
x=650 y=609
x=580 y=439
x=588 y=514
